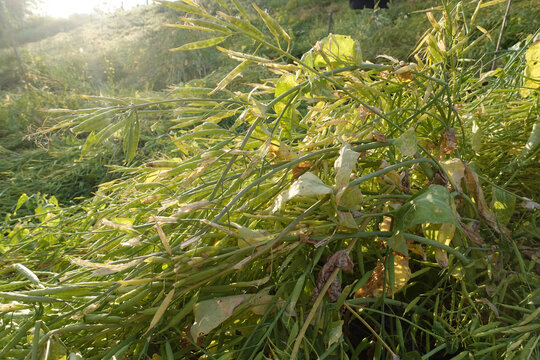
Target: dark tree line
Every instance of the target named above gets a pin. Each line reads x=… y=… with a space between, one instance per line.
x=369 y=4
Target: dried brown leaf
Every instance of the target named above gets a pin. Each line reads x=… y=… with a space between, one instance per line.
x=473 y=184
x=374 y=286
x=449 y=141
x=340 y=260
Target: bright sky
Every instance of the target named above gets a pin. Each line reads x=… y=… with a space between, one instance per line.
x=65 y=8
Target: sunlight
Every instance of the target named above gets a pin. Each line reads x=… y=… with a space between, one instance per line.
x=65 y=8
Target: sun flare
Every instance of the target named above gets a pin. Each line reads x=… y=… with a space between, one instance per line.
x=66 y=8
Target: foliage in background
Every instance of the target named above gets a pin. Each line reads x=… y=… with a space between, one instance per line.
x=333 y=209
x=128 y=54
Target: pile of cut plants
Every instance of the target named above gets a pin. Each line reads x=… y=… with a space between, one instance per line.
x=335 y=209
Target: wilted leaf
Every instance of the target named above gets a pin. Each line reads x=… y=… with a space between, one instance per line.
x=132 y=242
x=406 y=143
x=476 y=136
x=260 y=304
x=12 y=306
x=344 y=165
x=346 y=219
x=471 y=232
x=530 y=205
x=378 y=136
x=163 y=238
x=374 y=286
x=308 y=185
x=455 y=170
x=121 y=225
x=443 y=233
x=391 y=177
x=351 y=198
x=449 y=141
x=532 y=69
x=105 y=269
x=247 y=237
x=473 y=184
x=259 y=156
x=398 y=243
x=282 y=152
x=341 y=260
x=188 y=208
x=209 y=314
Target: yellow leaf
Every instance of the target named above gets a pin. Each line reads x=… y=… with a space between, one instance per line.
x=374 y=285
x=532 y=69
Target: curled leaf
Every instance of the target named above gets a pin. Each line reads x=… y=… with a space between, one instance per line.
x=473 y=184
x=449 y=141
x=105 y=269
x=345 y=165
x=341 y=260
x=374 y=286
x=307 y=185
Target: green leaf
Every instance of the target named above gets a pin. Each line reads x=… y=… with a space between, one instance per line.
x=91 y=140
x=431 y=205
x=285 y=83
x=96 y=121
x=131 y=139
x=20 y=202
x=107 y=132
x=272 y=25
x=201 y=44
x=503 y=205
x=398 y=243
x=209 y=314
x=406 y=143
